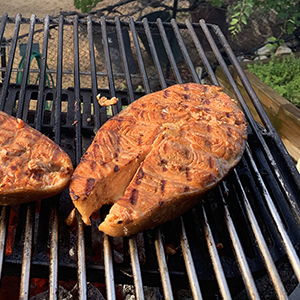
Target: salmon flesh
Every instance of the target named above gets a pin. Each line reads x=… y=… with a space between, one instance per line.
x=154 y=159
x=33 y=167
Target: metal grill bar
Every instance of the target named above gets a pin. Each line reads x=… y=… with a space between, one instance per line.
x=53 y=266
x=169 y=50
x=294 y=259
x=10 y=62
x=201 y=52
x=163 y=267
x=154 y=54
x=81 y=272
x=93 y=73
x=28 y=242
x=139 y=56
x=241 y=257
x=109 y=69
x=124 y=60
x=184 y=51
x=40 y=104
x=26 y=68
x=219 y=272
x=281 y=293
x=189 y=263
x=294 y=202
x=109 y=273
x=136 y=269
x=3 y=226
x=27 y=252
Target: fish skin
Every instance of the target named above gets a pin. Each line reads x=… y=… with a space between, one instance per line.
x=170 y=147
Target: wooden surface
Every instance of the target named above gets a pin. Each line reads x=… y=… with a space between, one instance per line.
x=284 y=116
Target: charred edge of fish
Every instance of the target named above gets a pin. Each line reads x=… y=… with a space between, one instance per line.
x=211 y=162
x=90 y=182
x=93 y=165
x=163 y=162
x=119 y=119
x=74 y=196
x=187 y=174
x=139 y=176
x=134 y=196
x=36 y=175
x=163 y=184
x=166 y=93
x=186 y=87
x=186 y=189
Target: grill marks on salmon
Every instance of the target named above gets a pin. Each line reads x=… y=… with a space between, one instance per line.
x=33 y=167
x=155 y=159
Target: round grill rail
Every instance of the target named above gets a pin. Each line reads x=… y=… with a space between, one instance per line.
x=241 y=233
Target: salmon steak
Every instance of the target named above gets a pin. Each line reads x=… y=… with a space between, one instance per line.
x=33 y=167
x=154 y=159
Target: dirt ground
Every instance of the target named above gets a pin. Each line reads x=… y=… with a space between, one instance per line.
x=54 y=7
x=41 y=8
x=37 y=7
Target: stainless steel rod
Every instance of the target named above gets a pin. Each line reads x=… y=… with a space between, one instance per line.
x=189 y=263
x=163 y=267
x=109 y=271
x=3 y=226
x=240 y=255
x=136 y=268
x=216 y=262
x=290 y=250
x=27 y=252
x=271 y=268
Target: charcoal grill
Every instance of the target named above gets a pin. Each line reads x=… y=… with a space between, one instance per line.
x=241 y=241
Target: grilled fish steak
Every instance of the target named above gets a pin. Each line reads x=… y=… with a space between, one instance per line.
x=33 y=167
x=155 y=158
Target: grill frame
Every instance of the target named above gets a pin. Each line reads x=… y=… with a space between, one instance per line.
x=264 y=147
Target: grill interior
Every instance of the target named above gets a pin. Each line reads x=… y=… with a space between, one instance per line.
x=241 y=241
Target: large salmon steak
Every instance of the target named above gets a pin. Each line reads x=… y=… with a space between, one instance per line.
x=32 y=166
x=154 y=159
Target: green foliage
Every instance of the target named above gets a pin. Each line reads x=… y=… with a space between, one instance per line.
x=86 y=5
x=282 y=75
x=239 y=15
x=288 y=11
x=274 y=43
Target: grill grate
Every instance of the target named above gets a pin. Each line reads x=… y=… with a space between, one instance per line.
x=241 y=233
